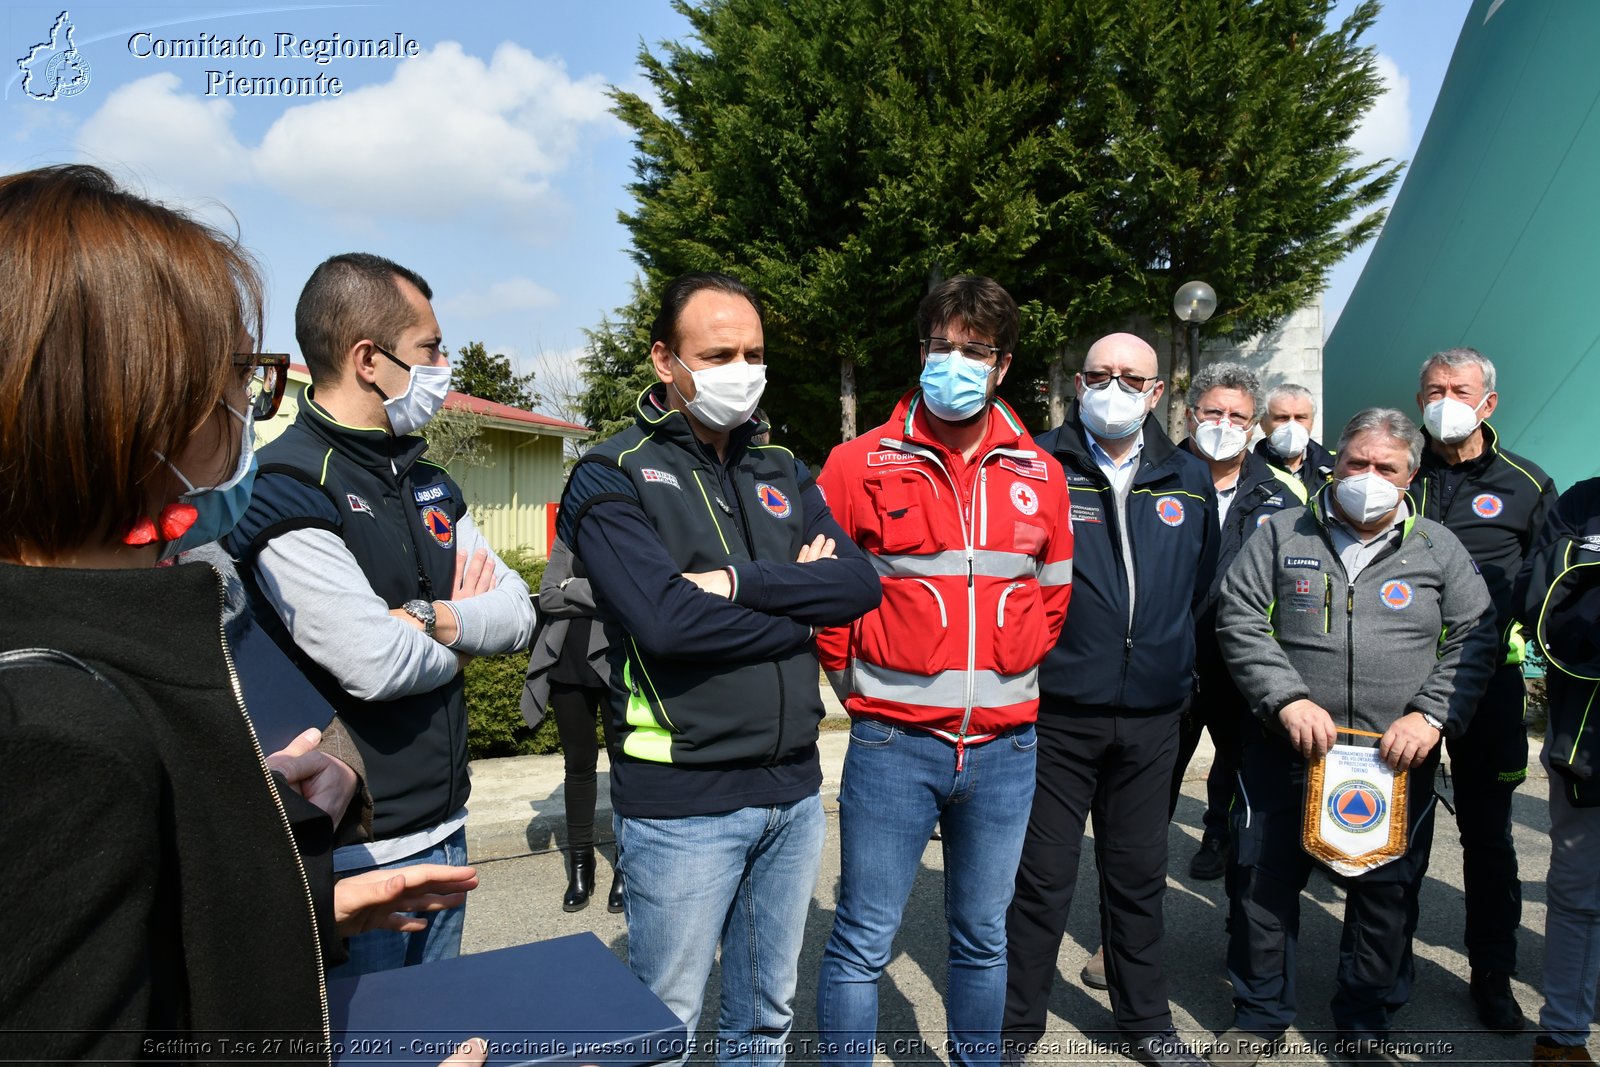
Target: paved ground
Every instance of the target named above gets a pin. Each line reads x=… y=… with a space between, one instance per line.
x=517 y=824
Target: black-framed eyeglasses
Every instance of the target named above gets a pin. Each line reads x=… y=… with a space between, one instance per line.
x=268 y=377
x=1133 y=383
x=940 y=348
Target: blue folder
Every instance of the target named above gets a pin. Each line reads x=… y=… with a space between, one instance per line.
x=564 y=1001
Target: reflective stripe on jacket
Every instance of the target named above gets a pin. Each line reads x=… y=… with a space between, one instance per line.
x=976 y=563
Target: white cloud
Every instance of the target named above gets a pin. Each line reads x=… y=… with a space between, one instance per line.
x=448 y=136
x=1385 y=130
x=176 y=145
x=512 y=294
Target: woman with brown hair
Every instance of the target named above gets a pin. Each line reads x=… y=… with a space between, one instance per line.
x=173 y=908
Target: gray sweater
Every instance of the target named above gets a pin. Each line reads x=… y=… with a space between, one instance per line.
x=1414 y=632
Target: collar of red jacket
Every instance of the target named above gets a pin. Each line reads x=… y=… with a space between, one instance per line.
x=913 y=421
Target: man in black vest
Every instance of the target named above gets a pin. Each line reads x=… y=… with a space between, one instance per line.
x=1496 y=502
x=714 y=562
x=365 y=566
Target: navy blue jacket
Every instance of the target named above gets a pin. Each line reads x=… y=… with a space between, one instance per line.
x=716 y=700
x=1557 y=598
x=1263 y=491
x=1104 y=657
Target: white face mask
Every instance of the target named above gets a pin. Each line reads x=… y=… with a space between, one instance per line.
x=1289 y=440
x=1451 y=421
x=1220 y=441
x=1112 y=412
x=1367 y=497
x=725 y=396
x=424 y=396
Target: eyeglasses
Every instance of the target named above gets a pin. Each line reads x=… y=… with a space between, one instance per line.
x=265 y=375
x=1219 y=415
x=1133 y=383
x=940 y=348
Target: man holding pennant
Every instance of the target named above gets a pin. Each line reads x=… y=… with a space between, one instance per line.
x=1352 y=617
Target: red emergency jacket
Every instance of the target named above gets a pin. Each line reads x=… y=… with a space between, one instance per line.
x=976 y=562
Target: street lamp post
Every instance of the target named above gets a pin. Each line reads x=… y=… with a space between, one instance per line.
x=1192 y=304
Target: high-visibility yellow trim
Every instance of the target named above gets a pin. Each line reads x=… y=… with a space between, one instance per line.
x=712 y=512
x=648 y=743
x=1290 y=482
x=1172 y=492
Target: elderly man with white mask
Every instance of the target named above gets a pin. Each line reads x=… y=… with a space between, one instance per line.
x=1223 y=403
x=1495 y=501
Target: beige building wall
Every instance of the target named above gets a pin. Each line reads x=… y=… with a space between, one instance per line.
x=512 y=495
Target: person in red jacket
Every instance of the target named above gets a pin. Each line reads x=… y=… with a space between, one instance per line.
x=969 y=525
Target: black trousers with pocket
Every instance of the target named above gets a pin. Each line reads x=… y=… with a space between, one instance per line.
x=1113 y=764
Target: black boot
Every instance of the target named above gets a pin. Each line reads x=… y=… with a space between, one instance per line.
x=1497 y=1008
x=580 y=880
x=614 y=898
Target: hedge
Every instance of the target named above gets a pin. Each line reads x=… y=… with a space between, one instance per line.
x=495 y=726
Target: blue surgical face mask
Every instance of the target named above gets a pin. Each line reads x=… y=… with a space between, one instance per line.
x=955 y=388
x=220 y=507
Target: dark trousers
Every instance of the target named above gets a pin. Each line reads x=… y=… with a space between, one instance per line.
x=575 y=709
x=1487 y=763
x=1112 y=763
x=1219 y=710
x=1375 y=964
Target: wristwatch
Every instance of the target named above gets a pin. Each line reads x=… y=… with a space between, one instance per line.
x=1433 y=721
x=423 y=612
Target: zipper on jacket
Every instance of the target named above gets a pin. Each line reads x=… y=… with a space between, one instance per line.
x=983 y=505
x=944 y=618
x=974 y=521
x=1327 y=603
x=283 y=816
x=1000 y=611
x=1350 y=656
x=777 y=669
x=969 y=530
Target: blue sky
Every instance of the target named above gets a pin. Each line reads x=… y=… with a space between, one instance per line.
x=488 y=162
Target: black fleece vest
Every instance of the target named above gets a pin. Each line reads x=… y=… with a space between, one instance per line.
x=399 y=524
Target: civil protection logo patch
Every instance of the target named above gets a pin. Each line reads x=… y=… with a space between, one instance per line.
x=1487 y=505
x=1169 y=509
x=1302 y=585
x=1396 y=595
x=439 y=526
x=1357 y=805
x=1024 y=498
x=773 y=500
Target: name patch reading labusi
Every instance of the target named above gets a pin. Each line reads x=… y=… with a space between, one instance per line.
x=427 y=494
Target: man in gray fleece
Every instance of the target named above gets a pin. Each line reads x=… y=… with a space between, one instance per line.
x=1353 y=613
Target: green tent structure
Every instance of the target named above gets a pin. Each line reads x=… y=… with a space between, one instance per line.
x=1494 y=240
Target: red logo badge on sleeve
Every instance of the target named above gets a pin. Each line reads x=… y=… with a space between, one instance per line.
x=773 y=499
x=439 y=526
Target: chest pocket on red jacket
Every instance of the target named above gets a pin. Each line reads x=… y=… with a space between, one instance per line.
x=900 y=505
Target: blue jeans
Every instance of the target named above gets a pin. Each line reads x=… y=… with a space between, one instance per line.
x=742 y=879
x=898 y=784
x=385 y=950
x=1572 y=927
